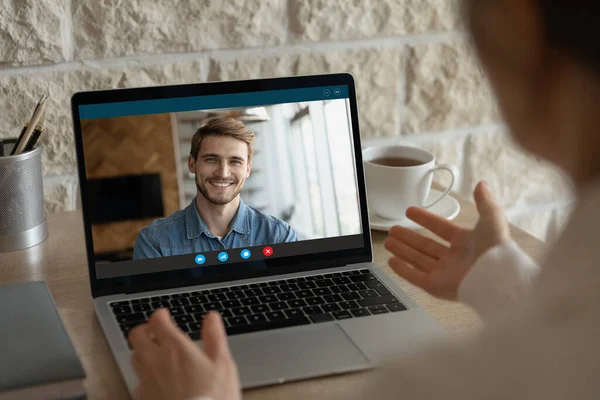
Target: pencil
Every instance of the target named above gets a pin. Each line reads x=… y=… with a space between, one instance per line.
x=20 y=138
x=32 y=124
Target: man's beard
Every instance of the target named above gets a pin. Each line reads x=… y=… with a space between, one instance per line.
x=217 y=201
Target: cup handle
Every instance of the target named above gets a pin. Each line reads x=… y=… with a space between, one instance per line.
x=445 y=167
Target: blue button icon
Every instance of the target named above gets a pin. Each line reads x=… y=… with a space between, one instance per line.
x=223 y=256
x=200 y=259
x=326 y=92
x=245 y=254
x=337 y=92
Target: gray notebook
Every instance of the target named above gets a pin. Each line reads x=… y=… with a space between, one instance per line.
x=38 y=358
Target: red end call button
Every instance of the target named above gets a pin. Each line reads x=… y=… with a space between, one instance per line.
x=267 y=251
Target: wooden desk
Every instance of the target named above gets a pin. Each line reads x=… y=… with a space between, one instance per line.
x=61 y=262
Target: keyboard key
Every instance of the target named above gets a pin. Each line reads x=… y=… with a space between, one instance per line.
x=179 y=302
x=241 y=311
x=183 y=319
x=139 y=301
x=375 y=310
x=304 y=293
x=122 y=310
x=297 y=303
x=253 y=292
x=226 y=313
x=212 y=306
x=341 y=281
x=396 y=307
x=319 y=277
x=363 y=278
x=365 y=271
x=184 y=328
x=325 y=283
x=231 y=303
x=368 y=293
x=125 y=328
x=355 y=287
x=216 y=290
x=376 y=301
x=141 y=307
x=200 y=293
x=318 y=318
x=344 y=314
x=289 y=288
x=275 y=315
x=322 y=291
x=301 y=279
x=195 y=326
x=195 y=335
x=336 y=274
x=135 y=317
x=292 y=280
x=271 y=290
x=217 y=297
x=238 y=294
x=193 y=309
x=175 y=311
x=119 y=303
x=313 y=310
x=382 y=290
x=334 y=298
x=268 y=298
x=283 y=323
x=340 y=289
x=254 y=286
x=360 y=312
x=198 y=317
x=263 y=284
x=177 y=295
x=250 y=301
x=293 y=313
x=240 y=287
x=198 y=299
x=282 y=305
x=260 y=308
x=351 y=296
x=330 y=307
x=234 y=321
x=160 y=304
x=313 y=301
x=348 y=305
x=328 y=276
x=306 y=285
x=256 y=318
x=286 y=296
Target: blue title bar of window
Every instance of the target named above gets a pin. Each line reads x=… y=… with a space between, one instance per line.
x=182 y=104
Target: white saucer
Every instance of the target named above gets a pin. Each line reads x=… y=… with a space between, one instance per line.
x=448 y=208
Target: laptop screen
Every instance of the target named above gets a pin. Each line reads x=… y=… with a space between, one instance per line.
x=219 y=180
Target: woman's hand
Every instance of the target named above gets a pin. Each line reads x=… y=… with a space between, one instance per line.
x=169 y=365
x=437 y=268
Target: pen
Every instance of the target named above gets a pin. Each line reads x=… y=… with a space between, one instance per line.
x=34 y=121
x=35 y=136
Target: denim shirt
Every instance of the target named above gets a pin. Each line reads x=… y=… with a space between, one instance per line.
x=184 y=232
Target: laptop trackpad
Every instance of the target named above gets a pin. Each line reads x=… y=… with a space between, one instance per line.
x=303 y=352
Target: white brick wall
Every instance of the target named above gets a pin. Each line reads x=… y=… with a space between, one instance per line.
x=418 y=81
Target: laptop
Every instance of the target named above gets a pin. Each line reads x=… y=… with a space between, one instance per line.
x=247 y=198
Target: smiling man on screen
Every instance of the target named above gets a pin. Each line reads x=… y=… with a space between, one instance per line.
x=217 y=219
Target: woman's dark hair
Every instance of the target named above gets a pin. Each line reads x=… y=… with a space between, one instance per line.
x=573 y=27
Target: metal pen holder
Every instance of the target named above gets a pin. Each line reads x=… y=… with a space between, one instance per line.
x=22 y=214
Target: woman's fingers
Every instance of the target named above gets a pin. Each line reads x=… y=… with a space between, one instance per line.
x=417 y=241
x=405 y=252
x=436 y=224
x=412 y=275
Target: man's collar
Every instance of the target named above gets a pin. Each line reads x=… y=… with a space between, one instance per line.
x=195 y=226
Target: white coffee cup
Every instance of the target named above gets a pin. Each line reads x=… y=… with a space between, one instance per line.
x=391 y=190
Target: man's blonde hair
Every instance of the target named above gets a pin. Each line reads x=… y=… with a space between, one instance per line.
x=223 y=126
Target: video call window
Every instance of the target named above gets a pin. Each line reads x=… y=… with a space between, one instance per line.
x=221 y=179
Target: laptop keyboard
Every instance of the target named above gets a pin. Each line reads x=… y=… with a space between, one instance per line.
x=268 y=305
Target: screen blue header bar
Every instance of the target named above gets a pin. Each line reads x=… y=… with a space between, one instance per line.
x=182 y=104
